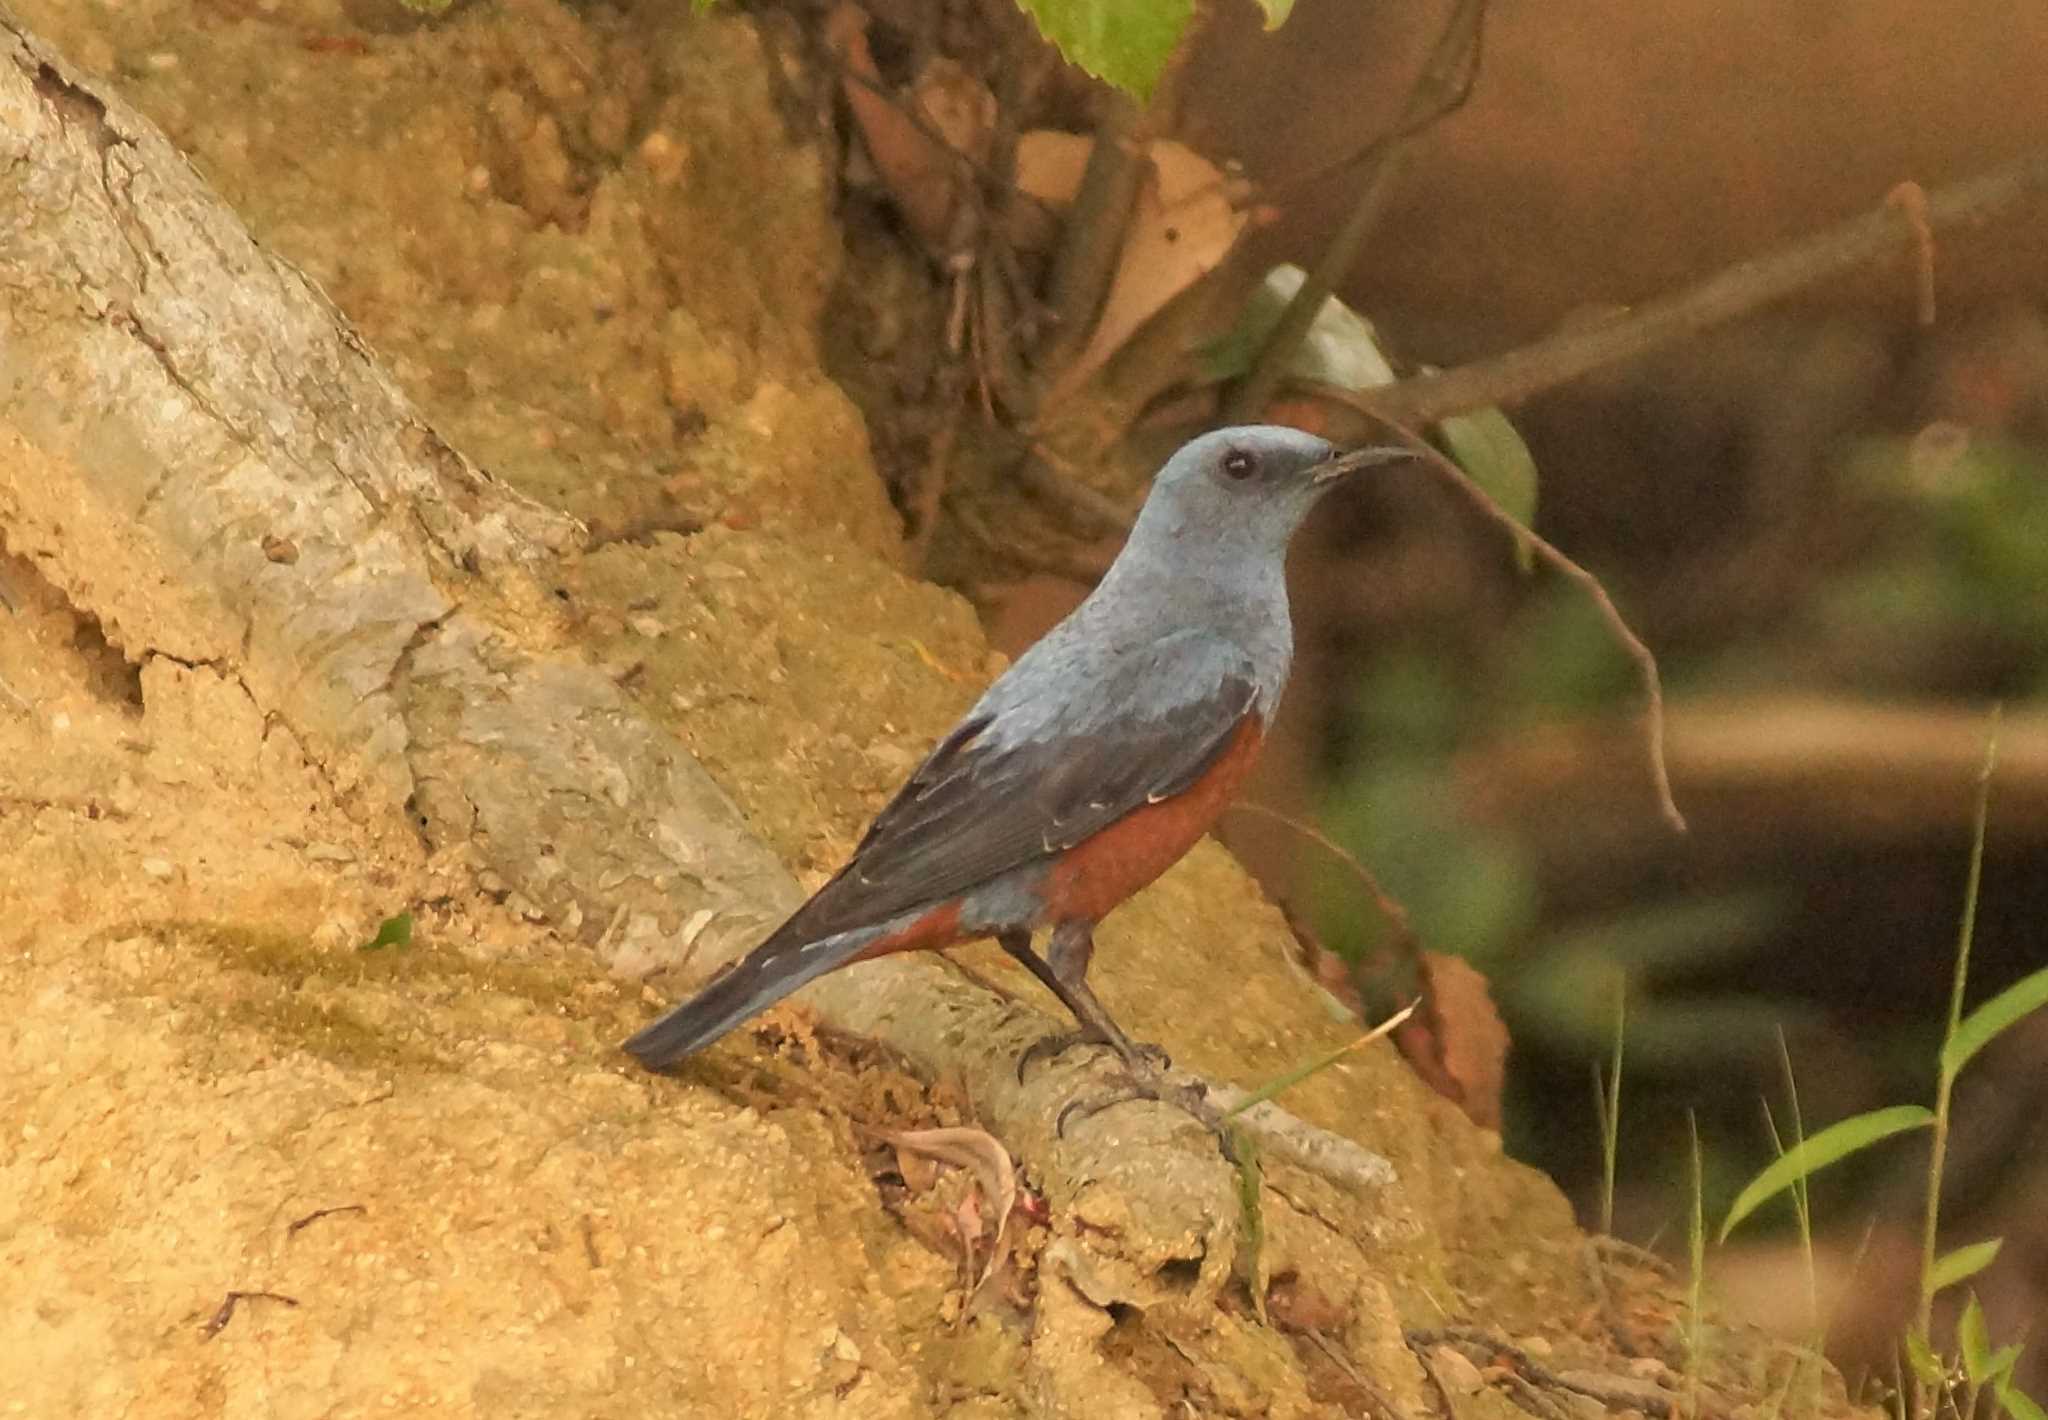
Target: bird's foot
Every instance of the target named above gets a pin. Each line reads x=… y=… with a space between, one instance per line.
x=1190 y=1096
x=1144 y=1077
x=1140 y=1057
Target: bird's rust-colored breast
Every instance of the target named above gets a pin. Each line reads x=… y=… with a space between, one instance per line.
x=1100 y=872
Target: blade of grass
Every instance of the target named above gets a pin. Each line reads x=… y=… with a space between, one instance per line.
x=1324 y=1061
x=1945 y=1080
x=1696 y=1248
x=1962 y=1263
x=1982 y=1026
x=1802 y=1208
x=2019 y=1405
x=1610 y=1111
x=1831 y=1145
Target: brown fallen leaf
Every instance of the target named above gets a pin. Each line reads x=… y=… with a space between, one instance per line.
x=1457 y=1042
x=1049 y=165
x=923 y=175
x=981 y=1152
x=1189 y=215
x=1050 y=162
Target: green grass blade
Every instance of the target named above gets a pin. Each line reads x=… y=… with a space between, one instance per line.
x=2018 y=1405
x=1983 y=1025
x=1927 y=1367
x=1696 y=1283
x=1962 y=1263
x=1324 y=1061
x=1831 y=1145
x=1998 y=1371
x=1973 y=1341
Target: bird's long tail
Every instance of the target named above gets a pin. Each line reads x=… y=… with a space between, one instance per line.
x=764 y=976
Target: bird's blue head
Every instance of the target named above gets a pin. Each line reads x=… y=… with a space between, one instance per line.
x=1236 y=496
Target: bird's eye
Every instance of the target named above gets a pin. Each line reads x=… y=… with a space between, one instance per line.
x=1238 y=463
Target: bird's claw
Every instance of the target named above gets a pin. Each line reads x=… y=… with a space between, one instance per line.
x=1139 y=1057
x=1146 y=1082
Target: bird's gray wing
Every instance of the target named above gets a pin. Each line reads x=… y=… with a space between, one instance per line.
x=989 y=799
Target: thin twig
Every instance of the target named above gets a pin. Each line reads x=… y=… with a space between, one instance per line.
x=1001 y=359
x=931 y=488
x=1646 y=663
x=1092 y=236
x=1387 y=904
x=318 y=1213
x=1381 y=1400
x=1091 y=513
x=1734 y=291
x=216 y=1323
x=1333 y=168
x=1911 y=200
x=1093 y=233
x=1444 y=83
x=1076 y=566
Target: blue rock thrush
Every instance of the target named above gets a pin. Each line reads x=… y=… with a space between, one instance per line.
x=1090 y=766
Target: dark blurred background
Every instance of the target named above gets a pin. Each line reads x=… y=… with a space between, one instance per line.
x=1830 y=521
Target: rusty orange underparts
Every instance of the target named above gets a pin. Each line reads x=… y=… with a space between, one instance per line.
x=1101 y=872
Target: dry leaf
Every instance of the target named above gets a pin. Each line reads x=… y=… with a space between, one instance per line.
x=1050 y=164
x=1457 y=1043
x=923 y=176
x=1048 y=173
x=979 y=1151
x=1187 y=219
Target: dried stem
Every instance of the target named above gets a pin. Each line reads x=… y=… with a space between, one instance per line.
x=1092 y=237
x=1646 y=663
x=1384 y=902
x=1734 y=291
x=1440 y=88
x=1093 y=233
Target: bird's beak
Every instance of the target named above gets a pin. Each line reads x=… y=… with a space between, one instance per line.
x=1352 y=460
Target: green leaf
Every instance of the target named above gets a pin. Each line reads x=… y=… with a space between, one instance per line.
x=2019 y=1405
x=1122 y=42
x=1276 y=12
x=1486 y=446
x=1340 y=348
x=1831 y=1145
x=1983 y=1025
x=1960 y=1264
x=391 y=932
x=1998 y=1370
x=1974 y=1342
x=1926 y=1365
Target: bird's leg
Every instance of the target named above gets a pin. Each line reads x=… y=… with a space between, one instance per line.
x=1064 y=971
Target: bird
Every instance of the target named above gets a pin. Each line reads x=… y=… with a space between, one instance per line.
x=1089 y=767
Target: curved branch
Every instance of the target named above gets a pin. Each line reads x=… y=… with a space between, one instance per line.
x=1729 y=293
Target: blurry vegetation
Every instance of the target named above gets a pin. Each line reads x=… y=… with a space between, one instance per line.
x=1811 y=526
x=1090 y=290
x=1950 y=587
x=1970 y=1372
x=1961 y=568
